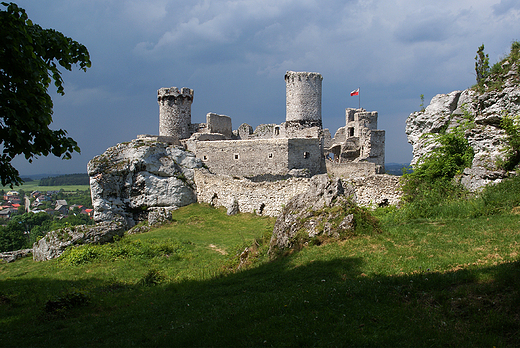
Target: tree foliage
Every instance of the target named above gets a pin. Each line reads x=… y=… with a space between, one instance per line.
x=481 y=64
x=64 y=180
x=29 y=59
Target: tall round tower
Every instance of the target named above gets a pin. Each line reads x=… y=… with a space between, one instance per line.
x=175 y=112
x=303 y=97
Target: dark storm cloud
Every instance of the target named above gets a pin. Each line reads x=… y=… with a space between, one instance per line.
x=235 y=54
x=505 y=6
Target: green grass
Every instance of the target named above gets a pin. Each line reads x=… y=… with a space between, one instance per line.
x=423 y=283
x=34 y=186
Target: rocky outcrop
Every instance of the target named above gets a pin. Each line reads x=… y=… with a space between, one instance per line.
x=132 y=179
x=55 y=242
x=480 y=114
x=11 y=256
x=312 y=213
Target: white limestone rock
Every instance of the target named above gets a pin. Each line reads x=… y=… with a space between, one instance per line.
x=305 y=212
x=485 y=135
x=130 y=179
x=55 y=242
x=11 y=256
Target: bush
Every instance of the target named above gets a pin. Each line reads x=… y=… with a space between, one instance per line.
x=499 y=198
x=512 y=128
x=431 y=185
x=80 y=255
x=123 y=249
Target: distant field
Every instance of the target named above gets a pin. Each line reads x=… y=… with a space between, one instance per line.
x=34 y=185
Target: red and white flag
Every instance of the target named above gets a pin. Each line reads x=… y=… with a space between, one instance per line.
x=354 y=92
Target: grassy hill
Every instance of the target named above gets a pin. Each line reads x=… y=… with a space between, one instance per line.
x=437 y=282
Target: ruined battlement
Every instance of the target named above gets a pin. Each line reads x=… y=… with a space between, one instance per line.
x=174 y=92
x=358 y=141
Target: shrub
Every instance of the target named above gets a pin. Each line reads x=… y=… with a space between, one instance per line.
x=431 y=183
x=80 y=255
x=512 y=128
x=499 y=198
x=122 y=249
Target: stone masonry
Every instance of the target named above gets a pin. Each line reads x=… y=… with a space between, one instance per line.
x=303 y=97
x=175 y=112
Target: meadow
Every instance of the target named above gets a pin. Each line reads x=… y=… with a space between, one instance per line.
x=34 y=185
x=418 y=283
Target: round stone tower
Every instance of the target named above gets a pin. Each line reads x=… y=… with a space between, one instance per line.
x=175 y=112
x=303 y=97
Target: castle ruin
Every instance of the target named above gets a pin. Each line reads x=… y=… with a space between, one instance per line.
x=297 y=147
x=244 y=170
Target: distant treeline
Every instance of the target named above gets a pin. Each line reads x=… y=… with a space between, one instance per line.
x=69 y=179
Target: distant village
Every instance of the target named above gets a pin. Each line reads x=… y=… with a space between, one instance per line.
x=14 y=203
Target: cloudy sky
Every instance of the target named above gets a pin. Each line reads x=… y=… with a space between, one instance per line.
x=234 y=54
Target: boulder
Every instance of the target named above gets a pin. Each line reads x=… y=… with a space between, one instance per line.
x=311 y=214
x=131 y=179
x=55 y=242
x=11 y=256
x=159 y=215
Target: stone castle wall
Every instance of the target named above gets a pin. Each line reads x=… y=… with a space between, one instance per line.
x=219 y=124
x=377 y=190
x=260 y=156
x=263 y=198
x=351 y=169
x=269 y=197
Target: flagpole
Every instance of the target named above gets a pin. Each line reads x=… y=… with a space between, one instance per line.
x=359 y=97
